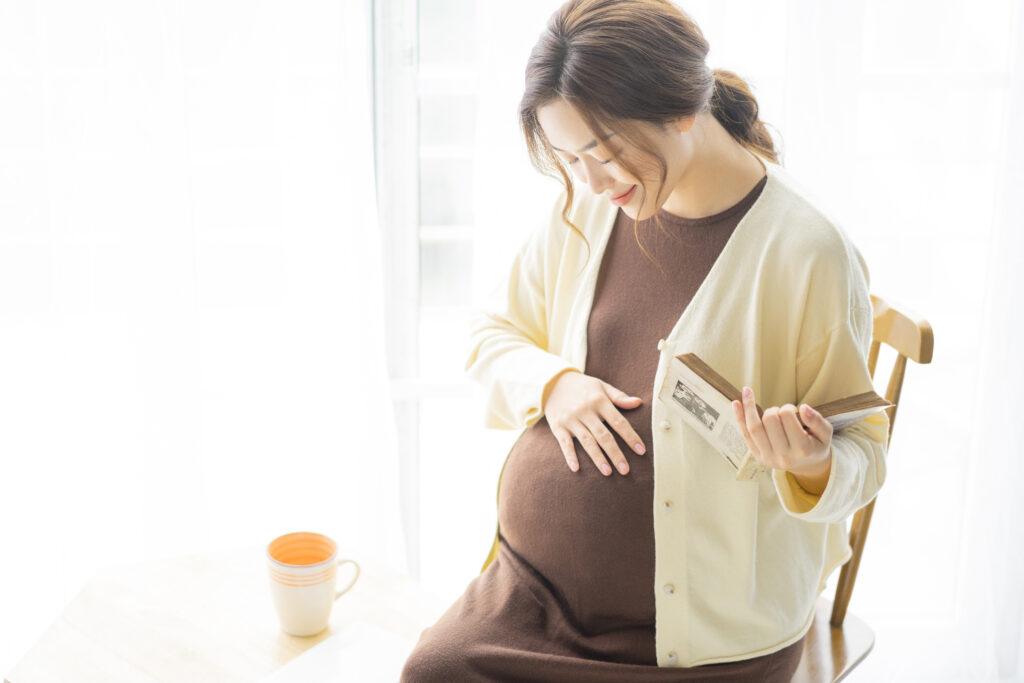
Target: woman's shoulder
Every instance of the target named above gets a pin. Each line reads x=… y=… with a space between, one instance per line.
x=591 y=213
x=592 y=218
x=801 y=228
x=807 y=251
x=551 y=245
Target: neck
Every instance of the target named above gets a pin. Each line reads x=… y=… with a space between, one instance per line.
x=720 y=172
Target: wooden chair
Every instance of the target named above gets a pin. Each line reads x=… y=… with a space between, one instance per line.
x=838 y=641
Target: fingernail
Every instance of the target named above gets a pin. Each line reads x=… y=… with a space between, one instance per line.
x=639 y=448
x=623 y=467
x=606 y=469
x=574 y=467
x=747 y=391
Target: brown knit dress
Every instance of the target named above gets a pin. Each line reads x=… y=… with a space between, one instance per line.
x=570 y=596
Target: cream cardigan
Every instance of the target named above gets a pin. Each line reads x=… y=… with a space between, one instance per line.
x=785 y=310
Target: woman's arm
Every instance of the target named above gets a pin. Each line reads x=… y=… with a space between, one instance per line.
x=834 y=364
x=838 y=367
x=508 y=350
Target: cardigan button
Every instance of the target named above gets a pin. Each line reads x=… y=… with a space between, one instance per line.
x=671 y=657
x=661 y=344
x=666 y=425
x=667 y=505
x=669 y=588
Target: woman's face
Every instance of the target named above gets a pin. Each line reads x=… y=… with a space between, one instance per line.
x=591 y=162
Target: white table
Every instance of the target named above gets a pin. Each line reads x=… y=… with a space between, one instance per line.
x=203 y=618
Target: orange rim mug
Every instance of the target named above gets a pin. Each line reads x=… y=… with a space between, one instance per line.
x=303 y=566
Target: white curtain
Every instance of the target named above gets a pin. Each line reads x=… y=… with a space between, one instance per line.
x=902 y=120
x=191 y=330
x=991 y=600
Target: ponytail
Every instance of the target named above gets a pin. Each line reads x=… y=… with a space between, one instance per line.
x=736 y=109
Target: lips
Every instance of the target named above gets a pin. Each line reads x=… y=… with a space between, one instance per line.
x=620 y=196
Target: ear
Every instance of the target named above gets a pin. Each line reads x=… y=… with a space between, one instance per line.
x=684 y=123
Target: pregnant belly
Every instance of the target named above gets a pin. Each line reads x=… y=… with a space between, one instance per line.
x=589 y=535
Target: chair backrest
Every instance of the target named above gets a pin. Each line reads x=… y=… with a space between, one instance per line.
x=911 y=337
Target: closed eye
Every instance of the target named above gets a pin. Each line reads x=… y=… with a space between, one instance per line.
x=603 y=162
x=617 y=151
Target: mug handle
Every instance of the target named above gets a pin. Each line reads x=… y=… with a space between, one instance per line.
x=350 y=583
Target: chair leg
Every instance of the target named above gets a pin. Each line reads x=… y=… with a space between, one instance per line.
x=848 y=574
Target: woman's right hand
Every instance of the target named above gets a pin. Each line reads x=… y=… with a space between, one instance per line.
x=578 y=406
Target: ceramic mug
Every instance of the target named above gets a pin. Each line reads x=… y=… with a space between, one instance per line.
x=302 y=567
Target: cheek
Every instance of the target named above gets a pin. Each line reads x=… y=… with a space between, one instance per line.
x=646 y=177
x=643 y=207
x=622 y=175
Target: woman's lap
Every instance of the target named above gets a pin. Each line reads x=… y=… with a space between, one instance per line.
x=506 y=627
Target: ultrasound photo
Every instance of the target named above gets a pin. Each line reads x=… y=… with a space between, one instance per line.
x=687 y=398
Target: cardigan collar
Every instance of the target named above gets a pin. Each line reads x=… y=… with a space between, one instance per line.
x=736 y=248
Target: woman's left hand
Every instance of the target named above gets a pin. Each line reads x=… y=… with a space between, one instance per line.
x=781 y=440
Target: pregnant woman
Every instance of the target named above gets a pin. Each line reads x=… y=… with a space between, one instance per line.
x=626 y=550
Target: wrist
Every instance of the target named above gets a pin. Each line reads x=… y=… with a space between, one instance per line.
x=549 y=387
x=815 y=479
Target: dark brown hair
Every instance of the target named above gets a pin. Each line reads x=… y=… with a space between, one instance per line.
x=619 y=62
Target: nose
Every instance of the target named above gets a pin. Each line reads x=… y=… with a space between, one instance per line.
x=597 y=178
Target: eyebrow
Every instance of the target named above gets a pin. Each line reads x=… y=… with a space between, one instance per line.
x=584 y=148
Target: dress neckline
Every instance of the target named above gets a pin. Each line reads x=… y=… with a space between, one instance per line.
x=681 y=221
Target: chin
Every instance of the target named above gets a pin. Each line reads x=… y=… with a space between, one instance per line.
x=644 y=213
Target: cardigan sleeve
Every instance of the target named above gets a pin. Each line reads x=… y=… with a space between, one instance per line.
x=508 y=348
x=837 y=366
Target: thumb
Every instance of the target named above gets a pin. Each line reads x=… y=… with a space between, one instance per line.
x=818 y=426
x=619 y=396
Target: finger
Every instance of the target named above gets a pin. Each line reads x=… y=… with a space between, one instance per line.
x=590 y=445
x=568 y=447
x=799 y=439
x=820 y=428
x=741 y=420
x=754 y=426
x=618 y=395
x=607 y=441
x=775 y=431
x=740 y=414
x=623 y=428
x=628 y=402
